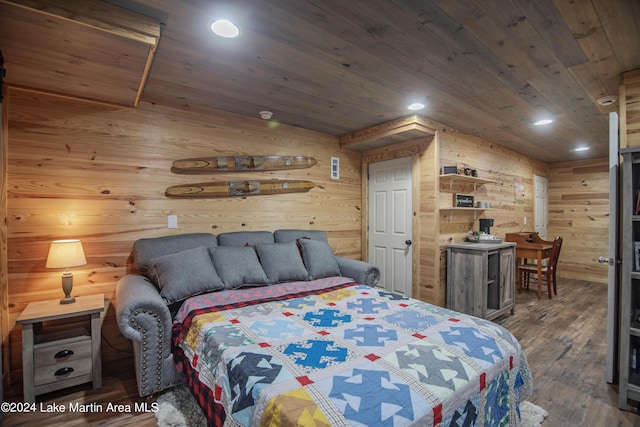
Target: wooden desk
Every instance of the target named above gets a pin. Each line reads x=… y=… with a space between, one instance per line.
x=531 y=246
x=528 y=237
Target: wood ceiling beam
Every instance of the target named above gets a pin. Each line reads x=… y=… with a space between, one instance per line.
x=413 y=126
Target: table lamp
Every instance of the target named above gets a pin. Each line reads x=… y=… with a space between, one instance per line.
x=66 y=254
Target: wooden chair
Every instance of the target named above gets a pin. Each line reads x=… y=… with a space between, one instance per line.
x=549 y=270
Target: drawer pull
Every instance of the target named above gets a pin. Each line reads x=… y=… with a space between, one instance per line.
x=63 y=353
x=63 y=371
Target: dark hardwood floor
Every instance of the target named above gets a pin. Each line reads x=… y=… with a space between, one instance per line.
x=119 y=390
x=564 y=340
x=565 y=343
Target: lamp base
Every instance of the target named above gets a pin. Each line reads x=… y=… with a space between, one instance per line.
x=67 y=286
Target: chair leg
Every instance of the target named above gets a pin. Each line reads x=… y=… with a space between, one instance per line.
x=548 y=277
x=555 y=282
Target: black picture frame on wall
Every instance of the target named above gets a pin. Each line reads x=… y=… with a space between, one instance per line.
x=463 y=200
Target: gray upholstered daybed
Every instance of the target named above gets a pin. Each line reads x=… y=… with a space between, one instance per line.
x=173 y=268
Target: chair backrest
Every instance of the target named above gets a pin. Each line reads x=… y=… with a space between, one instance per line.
x=555 y=253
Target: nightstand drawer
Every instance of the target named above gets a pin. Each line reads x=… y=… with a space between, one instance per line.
x=62 y=360
x=62 y=351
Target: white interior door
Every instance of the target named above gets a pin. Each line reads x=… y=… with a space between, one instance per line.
x=390 y=209
x=541 y=205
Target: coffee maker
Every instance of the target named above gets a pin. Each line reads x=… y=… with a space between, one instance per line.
x=485 y=225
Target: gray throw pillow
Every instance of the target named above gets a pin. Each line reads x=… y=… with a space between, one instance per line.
x=238 y=266
x=319 y=259
x=184 y=274
x=281 y=262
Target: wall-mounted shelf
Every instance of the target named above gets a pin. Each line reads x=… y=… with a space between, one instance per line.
x=466 y=179
x=474 y=210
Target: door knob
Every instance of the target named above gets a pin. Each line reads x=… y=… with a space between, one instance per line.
x=408 y=242
x=610 y=261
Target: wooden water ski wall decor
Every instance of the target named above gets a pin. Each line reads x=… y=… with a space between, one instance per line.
x=239 y=188
x=206 y=165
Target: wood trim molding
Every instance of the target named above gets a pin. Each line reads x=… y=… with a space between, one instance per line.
x=622 y=119
x=4 y=257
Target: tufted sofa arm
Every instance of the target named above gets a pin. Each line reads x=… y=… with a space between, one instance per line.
x=360 y=271
x=144 y=318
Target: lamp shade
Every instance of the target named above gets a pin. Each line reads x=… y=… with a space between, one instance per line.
x=65 y=254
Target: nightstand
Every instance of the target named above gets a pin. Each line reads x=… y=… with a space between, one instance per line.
x=60 y=359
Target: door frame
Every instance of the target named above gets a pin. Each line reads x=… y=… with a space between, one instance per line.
x=412 y=151
x=613 y=255
x=535 y=199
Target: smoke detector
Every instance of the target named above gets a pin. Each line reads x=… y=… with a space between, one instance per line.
x=266 y=115
x=607 y=100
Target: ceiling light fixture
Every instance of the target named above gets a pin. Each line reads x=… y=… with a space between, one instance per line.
x=225 y=28
x=583 y=148
x=416 y=106
x=607 y=100
x=266 y=115
x=543 y=122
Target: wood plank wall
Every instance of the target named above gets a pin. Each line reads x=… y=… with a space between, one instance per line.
x=584 y=186
x=509 y=205
x=579 y=212
x=630 y=108
x=98 y=173
x=437 y=226
x=578 y=202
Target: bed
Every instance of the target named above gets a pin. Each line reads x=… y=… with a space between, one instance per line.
x=333 y=352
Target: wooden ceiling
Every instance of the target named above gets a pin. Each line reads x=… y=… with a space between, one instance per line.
x=484 y=67
x=89 y=50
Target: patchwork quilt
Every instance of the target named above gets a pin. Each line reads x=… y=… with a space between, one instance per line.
x=331 y=352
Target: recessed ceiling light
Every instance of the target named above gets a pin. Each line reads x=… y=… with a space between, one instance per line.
x=416 y=106
x=584 y=148
x=543 y=122
x=225 y=28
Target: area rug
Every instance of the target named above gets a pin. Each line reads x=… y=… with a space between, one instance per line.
x=531 y=415
x=178 y=408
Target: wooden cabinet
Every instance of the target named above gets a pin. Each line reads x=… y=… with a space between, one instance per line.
x=629 y=312
x=52 y=360
x=481 y=278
